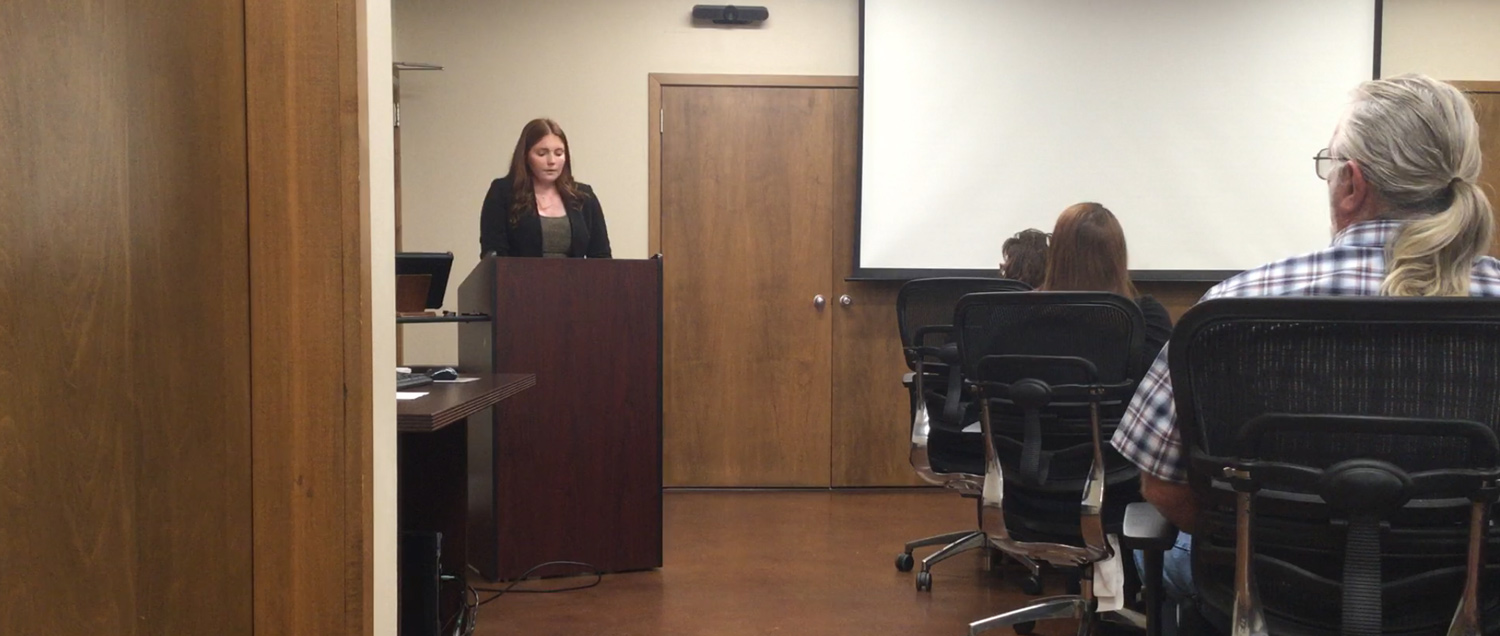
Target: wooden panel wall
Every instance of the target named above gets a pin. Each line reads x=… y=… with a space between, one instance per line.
x=1486 y=99
x=309 y=299
x=125 y=476
x=1178 y=297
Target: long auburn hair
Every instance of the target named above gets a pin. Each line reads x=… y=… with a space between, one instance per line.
x=1088 y=253
x=522 y=192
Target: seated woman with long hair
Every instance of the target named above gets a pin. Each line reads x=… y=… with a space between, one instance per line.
x=1088 y=254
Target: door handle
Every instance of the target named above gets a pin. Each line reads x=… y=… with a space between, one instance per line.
x=845 y=300
x=819 y=301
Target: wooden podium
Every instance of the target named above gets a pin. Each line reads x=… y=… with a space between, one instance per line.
x=571 y=468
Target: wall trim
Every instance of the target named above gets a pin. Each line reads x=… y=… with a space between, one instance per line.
x=1477 y=86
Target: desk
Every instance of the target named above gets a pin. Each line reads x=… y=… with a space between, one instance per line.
x=432 y=464
x=449 y=402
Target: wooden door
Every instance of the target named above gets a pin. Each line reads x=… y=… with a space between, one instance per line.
x=747 y=198
x=125 y=423
x=870 y=428
x=1486 y=98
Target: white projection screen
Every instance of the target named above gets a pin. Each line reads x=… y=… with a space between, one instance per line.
x=1195 y=121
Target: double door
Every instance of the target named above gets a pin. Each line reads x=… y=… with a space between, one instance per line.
x=777 y=371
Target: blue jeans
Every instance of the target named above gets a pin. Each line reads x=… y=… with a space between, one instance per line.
x=1176 y=579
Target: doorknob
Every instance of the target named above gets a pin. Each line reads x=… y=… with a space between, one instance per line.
x=819 y=301
x=845 y=300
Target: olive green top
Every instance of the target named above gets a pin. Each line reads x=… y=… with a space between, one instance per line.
x=557 y=235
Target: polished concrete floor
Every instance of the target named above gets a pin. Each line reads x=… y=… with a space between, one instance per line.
x=778 y=562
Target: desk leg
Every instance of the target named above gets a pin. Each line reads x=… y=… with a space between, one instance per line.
x=433 y=497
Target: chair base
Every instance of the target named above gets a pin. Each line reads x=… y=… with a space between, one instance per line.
x=1083 y=607
x=941 y=539
x=1068 y=606
x=955 y=543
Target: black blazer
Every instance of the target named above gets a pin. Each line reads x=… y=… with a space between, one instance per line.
x=590 y=237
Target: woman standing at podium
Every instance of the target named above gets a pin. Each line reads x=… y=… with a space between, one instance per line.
x=538 y=209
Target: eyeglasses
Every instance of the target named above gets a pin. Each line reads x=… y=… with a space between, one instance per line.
x=1324 y=162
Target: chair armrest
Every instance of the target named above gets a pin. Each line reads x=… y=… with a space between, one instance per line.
x=947 y=354
x=1146 y=529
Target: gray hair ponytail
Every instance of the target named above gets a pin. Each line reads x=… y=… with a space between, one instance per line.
x=1417 y=142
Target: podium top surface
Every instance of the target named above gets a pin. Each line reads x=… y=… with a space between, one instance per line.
x=446 y=403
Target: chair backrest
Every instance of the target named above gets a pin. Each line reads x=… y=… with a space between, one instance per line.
x=1106 y=329
x=1070 y=349
x=1408 y=371
x=929 y=302
x=1237 y=358
x=924 y=315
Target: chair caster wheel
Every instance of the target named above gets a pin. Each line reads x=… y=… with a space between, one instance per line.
x=924 y=581
x=904 y=562
x=1032 y=584
x=1024 y=627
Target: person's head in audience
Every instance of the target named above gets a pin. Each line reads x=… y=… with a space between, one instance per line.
x=1025 y=257
x=1088 y=253
x=541 y=161
x=1408 y=149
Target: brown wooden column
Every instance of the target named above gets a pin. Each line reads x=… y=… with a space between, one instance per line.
x=309 y=299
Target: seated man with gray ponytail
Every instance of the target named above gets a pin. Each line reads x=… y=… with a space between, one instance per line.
x=1408 y=218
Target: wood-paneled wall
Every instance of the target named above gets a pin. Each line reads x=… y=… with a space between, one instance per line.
x=184 y=345
x=1177 y=296
x=125 y=467
x=1486 y=99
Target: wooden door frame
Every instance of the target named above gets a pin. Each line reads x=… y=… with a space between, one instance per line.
x=1490 y=89
x=654 y=84
x=311 y=342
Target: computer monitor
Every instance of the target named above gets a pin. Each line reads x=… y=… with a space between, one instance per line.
x=434 y=264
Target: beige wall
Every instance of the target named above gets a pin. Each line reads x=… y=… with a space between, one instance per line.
x=1447 y=39
x=377 y=165
x=583 y=63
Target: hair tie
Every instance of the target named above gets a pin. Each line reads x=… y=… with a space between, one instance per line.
x=1455 y=181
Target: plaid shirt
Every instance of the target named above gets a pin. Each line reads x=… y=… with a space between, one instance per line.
x=1353 y=266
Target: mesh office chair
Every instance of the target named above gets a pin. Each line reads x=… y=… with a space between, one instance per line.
x=1053 y=372
x=1346 y=448
x=940 y=451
